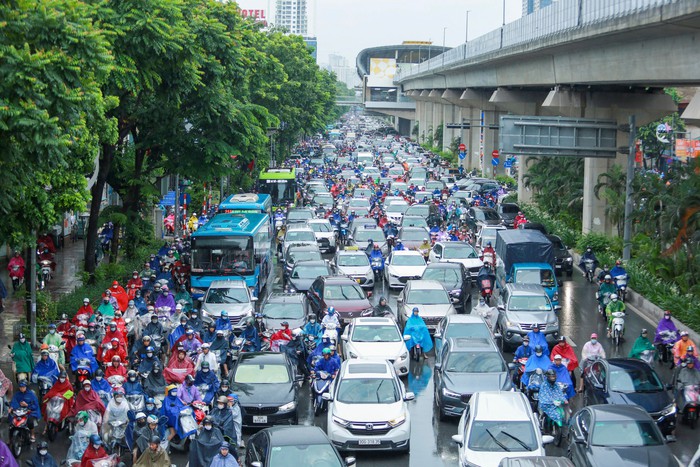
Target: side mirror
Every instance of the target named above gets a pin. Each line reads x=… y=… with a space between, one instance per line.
x=350 y=461
x=580 y=440
x=437 y=335
x=299 y=378
x=326 y=396
x=459 y=440
x=253 y=299
x=344 y=338
x=406 y=337
x=669 y=387
x=598 y=386
x=369 y=294
x=409 y=396
x=256 y=464
x=512 y=366
x=560 y=283
x=671 y=439
x=437 y=256
x=501 y=308
x=547 y=439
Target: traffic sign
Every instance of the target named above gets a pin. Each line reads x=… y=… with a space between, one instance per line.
x=508 y=164
x=494 y=161
x=462 y=155
x=462 y=147
x=494 y=154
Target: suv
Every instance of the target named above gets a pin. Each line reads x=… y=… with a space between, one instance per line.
x=297 y=215
x=482 y=216
x=325 y=235
x=298 y=234
x=290 y=307
x=496 y=425
x=355 y=264
x=376 y=338
x=508 y=211
x=305 y=444
x=563 y=262
x=455 y=278
x=367 y=409
x=341 y=292
x=232 y=296
x=521 y=306
x=430 y=297
x=455 y=326
x=297 y=253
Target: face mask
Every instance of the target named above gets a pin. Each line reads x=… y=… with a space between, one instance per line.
x=132 y=379
x=63 y=380
x=207 y=427
x=149 y=354
x=43 y=452
x=593 y=341
x=667 y=317
x=142 y=422
x=96 y=446
x=205 y=370
x=150 y=407
x=135 y=277
x=539 y=354
x=23 y=340
x=87 y=389
x=165 y=294
x=82 y=422
x=52 y=331
x=156 y=370
x=221 y=406
x=119 y=399
x=98 y=378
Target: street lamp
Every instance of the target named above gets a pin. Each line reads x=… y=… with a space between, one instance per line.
x=444 y=31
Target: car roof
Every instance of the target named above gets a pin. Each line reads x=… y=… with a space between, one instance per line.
x=501 y=406
x=365 y=367
x=296 y=435
x=525 y=289
x=444 y=265
x=351 y=253
x=233 y=283
x=299 y=226
x=262 y=357
x=342 y=279
x=465 y=319
x=406 y=253
x=425 y=284
x=610 y=412
x=373 y=321
x=303 y=247
x=283 y=297
x=470 y=344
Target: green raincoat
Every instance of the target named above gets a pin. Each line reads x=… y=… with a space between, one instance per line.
x=640 y=345
x=23 y=358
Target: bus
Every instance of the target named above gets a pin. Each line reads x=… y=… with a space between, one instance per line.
x=230 y=247
x=280 y=184
x=246 y=203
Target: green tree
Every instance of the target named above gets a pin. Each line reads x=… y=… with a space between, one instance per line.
x=557 y=184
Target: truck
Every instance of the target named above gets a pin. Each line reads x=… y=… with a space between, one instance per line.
x=526 y=257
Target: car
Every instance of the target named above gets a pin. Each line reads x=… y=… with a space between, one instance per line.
x=366 y=231
x=457 y=252
x=232 y=296
x=508 y=211
x=467 y=365
x=619 y=435
x=482 y=216
x=296 y=253
x=496 y=425
x=563 y=262
x=376 y=338
x=298 y=234
x=430 y=297
x=618 y=381
x=401 y=266
x=413 y=237
x=341 y=292
x=322 y=201
x=355 y=264
x=325 y=235
x=533 y=226
x=362 y=193
x=290 y=307
x=414 y=221
x=487 y=233
x=367 y=408
x=537 y=461
x=267 y=385
x=422 y=210
x=455 y=278
x=305 y=272
x=395 y=211
x=357 y=203
x=281 y=446
x=520 y=306
x=431 y=185
x=456 y=326
x=302 y=215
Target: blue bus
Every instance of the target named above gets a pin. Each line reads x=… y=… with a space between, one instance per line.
x=232 y=246
x=246 y=203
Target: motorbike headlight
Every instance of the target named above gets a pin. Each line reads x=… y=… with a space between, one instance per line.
x=670 y=410
x=569 y=260
x=397 y=421
x=448 y=393
x=340 y=421
x=289 y=406
x=456 y=292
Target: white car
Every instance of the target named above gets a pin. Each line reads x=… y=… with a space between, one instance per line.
x=497 y=425
x=402 y=266
x=298 y=234
x=396 y=210
x=355 y=264
x=431 y=299
x=457 y=252
x=232 y=296
x=367 y=408
x=376 y=338
x=488 y=233
x=325 y=236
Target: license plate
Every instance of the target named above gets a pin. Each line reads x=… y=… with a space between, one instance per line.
x=558 y=266
x=260 y=419
x=369 y=442
x=358 y=280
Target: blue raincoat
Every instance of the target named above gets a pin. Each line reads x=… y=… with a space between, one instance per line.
x=313 y=329
x=146 y=365
x=317 y=353
x=47 y=368
x=83 y=351
x=30 y=398
x=209 y=379
x=178 y=332
x=548 y=394
x=538 y=338
x=563 y=376
x=171 y=408
x=101 y=386
x=533 y=363
x=416 y=328
x=141 y=305
x=133 y=388
x=223 y=324
x=251 y=334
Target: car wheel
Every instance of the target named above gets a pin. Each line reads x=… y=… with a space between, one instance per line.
x=569 y=273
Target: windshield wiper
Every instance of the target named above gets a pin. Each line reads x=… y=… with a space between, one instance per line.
x=503 y=446
x=525 y=446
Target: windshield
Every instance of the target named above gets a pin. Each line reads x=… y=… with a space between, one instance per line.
x=397 y=207
x=408 y=260
x=416 y=210
x=300 y=236
x=294 y=256
x=432 y=185
x=428 y=297
x=509 y=208
x=399 y=186
x=227 y=295
x=280 y=191
x=396 y=171
x=353 y=260
x=456 y=251
x=384 y=333
x=489 y=215
x=634 y=380
x=260 y=373
x=446 y=276
x=502 y=436
x=323 y=200
x=368 y=391
x=222 y=254
x=309 y=272
x=303 y=454
x=477 y=330
x=414 y=221
x=320 y=227
x=541 y=277
x=475 y=362
x=359 y=203
x=362 y=193
x=625 y=433
x=365 y=235
x=416 y=235
x=343 y=292
x=529 y=303
x=300 y=215
x=283 y=311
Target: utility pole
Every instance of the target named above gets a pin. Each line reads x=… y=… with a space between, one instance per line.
x=32 y=289
x=466 y=29
x=627 y=233
x=176 y=225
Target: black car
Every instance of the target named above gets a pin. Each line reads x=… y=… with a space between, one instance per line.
x=468 y=365
x=563 y=262
x=290 y=307
x=297 y=445
x=304 y=273
x=297 y=253
x=534 y=226
x=455 y=278
x=619 y=435
x=629 y=381
x=508 y=211
x=485 y=216
x=300 y=215
x=267 y=388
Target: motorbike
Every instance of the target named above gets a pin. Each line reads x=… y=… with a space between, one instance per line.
x=137 y=402
x=378 y=269
x=621 y=283
x=649 y=357
x=416 y=350
x=533 y=388
x=665 y=347
x=343 y=233
x=603 y=303
x=44 y=273
x=117 y=437
x=185 y=431
x=331 y=332
x=17 y=276
x=517 y=375
x=322 y=383
x=105 y=397
x=19 y=430
x=45 y=384
x=691 y=396
x=589 y=269
x=487 y=258
x=310 y=343
x=547 y=425
x=83 y=372
x=265 y=342
x=618 y=327
x=486 y=288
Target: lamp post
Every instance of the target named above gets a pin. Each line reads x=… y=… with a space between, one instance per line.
x=444 y=31
x=466 y=28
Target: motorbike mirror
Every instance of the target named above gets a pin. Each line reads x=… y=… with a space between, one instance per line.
x=299 y=378
x=497 y=335
x=547 y=439
x=560 y=283
x=409 y=396
x=459 y=439
x=406 y=337
x=369 y=294
x=437 y=335
x=256 y=464
x=350 y=461
x=669 y=387
x=512 y=366
x=598 y=386
x=326 y=396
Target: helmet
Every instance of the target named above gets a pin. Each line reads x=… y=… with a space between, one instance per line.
x=608 y=277
x=326 y=351
x=208 y=419
x=376 y=246
x=45 y=347
x=223 y=399
x=52 y=326
x=538 y=348
x=63 y=374
x=83 y=415
x=613 y=296
x=205 y=364
x=331 y=310
x=170 y=388
x=285 y=323
x=43 y=445
x=550 y=372
x=150 y=349
x=95 y=439
x=119 y=391
x=155 y=439
x=152 y=419
x=150 y=400
x=140 y=416
x=99 y=372
x=189 y=378
x=488 y=243
x=415 y=309
x=311 y=316
x=131 y=373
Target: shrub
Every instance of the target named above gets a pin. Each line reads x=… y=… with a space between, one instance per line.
x=553 y=226
x=511 y=198
x=506 y=180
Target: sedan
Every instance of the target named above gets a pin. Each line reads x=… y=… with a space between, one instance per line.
x=455 y=278
x=402 y=266
x=341 y=292
x=628 y=381
x=355 y=264
x=376 y=338
x=482 y=216
x=396 y=210
x=431 y=299
x=413 y=237
x=305 y=272
x=457 y=252
x=563 y=262
x=299 y=445
x=297 y=253
x=619 y=435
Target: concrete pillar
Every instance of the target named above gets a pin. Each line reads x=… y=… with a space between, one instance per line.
x=474 y=145
x=490 y=142
x=449 y=115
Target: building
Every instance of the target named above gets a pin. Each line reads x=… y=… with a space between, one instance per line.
x=312 y=45
x=343 y=71
x=530 y=6
x=293 y=16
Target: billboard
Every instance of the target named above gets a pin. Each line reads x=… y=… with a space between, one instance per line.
x=381 y=72
x=686 y=148
x=259 y=10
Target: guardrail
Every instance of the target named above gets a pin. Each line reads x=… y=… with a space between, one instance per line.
x=561 y=16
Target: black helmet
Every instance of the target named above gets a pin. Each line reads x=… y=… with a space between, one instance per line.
x=43 y=445
x=63 y=374
x=550 y=372
x=155 y=439
x=99 y=372
x=538 y=348
x=208 y=419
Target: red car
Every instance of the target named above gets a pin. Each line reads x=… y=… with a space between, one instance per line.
x=341 y=292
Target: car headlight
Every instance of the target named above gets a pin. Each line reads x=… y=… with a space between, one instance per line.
x=670 y=410
x=291 y=289
x=397 y=421
x=252 y=291
x=448 y=393
x=289 y=406
x=555 y=297
x=402 y=357
x=456 y=292
x=340 y=421
x=569 y=260
x=198 y=291
x=353 y=355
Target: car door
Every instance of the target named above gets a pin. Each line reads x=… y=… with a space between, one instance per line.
x=439 y=335
x=400 y=306
x=580 y=439
x=314 y=294
x=598 y=384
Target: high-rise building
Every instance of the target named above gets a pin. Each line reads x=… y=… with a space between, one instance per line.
x=292 y=15
x=343 y=71
x=530 y=6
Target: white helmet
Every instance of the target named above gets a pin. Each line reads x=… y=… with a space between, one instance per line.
x=613 y=297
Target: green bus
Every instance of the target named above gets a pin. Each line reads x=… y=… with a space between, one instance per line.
x=280 y=184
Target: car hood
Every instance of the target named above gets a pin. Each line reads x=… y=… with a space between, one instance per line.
x=349 y=305
x=368 y=412
x=529 y=317
x=274 y=324
x=355 y=270
x=382 y=350
x=324 y=234
x=469 y=383
x=631 y=456
x=214 y=310
x=406 y=270
x=649 y=401
x=468 y=263
x=493 y=459
x=430 y=310
x=264 y=394
x=302 y=285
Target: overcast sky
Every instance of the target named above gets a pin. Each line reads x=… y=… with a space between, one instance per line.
x=346 y=27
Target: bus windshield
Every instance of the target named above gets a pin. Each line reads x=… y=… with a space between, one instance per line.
x=280 y=191
x=223 y=254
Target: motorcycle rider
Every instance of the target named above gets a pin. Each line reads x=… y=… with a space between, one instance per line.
x=563 y=375
x=588 y=255
x=641 y=345
x=486 y=273
x=618 y=270
x=117 y=411
x=132 y=385
x=112 y=333
x=326 y=364
x=166 y=301
x=519 y=219
x=146 y=273
x=605 y=270
x=224 y=322
x=100 y=384
x=376 y=255
x=22 y=357
x=191 y=342
x=551 y=397
x=687 y=374
x=666 y=333
x=488 y=249
x=106 y=307
x=24 y=398
x=53 y=338
x=178 y=367
x=222 y=416
x=154 y=456
x=680 y=348
x=219 y=348
x=523 y=351
x=382 y=309
x=116 y=371
x=16 y=266
x=134 y=283
x=590 y=351
x=606 y=288
x=42 y=458
x=45 y=367
x=250 y=336
x=209 y=334
x=154 y=328
x=84 y=313
x=615 y=306
x=399 y=246
x=416 y=328
x=224 y=458
x=538 y=338
x=146 y=364
x=537 y=360
x=82 y=351
x=62 y=388
x=331 y=318
x=94 y=451
x=312 y=328
x=87 y=399
x=84 y=429
x=207 y=377
x=187 y=392
x=195 y=322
